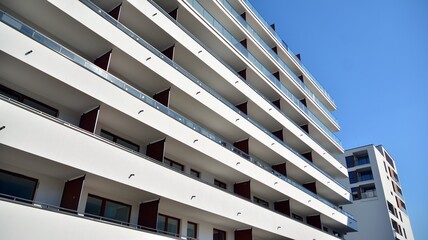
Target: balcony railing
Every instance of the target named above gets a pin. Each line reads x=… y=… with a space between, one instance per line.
x=54 y=46
x=238 y=46
x=273 y=32
x=274 y=55
x=368 y=194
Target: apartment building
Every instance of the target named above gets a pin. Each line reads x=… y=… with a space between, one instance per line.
x=378 y=202
x=162 y=119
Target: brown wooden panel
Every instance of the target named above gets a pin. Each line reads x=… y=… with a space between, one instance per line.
x=308 y=156
x=279 y=134
x=243 y=107
x=246 y=234
x=311 y=187
x=243 y=73
x=244 y=42
x=281 y=168
x=163 y=97
x=148 y=214
x=156 y=150
x=174 y=13
x=283 y=207
x=244 y=15
x=275 y=49
x=115 y=12
x=277 y=103
x=243 y=145
x=169 y=52
x=88 y=120
x=314 y=221
x=303 y=101
x=305 y=128
x=298 y=56
x=276 y=75
x=71 y=194
x=104 y=61
x=243 y=189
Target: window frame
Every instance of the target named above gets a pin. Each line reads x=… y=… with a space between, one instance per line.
x=35 y=180
x=195 y=173
x=165 y=230
x=103 y=205
x=220 y=231
x=260 y=202
x=196 y=230
x=220 y=184
x=172 y=162
x=115 y=138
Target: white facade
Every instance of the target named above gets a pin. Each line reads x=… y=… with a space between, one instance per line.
x=161 y=119
x=378 y=202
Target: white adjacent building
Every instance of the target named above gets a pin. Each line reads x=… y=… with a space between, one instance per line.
x=162 y=119
x=378 y=202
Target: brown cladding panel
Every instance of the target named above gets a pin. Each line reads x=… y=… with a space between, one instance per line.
x=305 y=128
x=314 y=221
x=156 y=150
x=243 y=73
x=243 y=107
x=148 y=214
x=169 y=52
x=281 y=168
x=308 y=156
x=174 y=13
x=277 y=103
x=244 y=42
x=115 y=12
x=243 y=146
x=276 y=75
x=246 y=234
x=71 y=194
x=311 y=187
x=279 y=134
x=283 y=207
x=88 y=121
x=275 y=49
x=243 y=189
x=301 y=78
x=163 y=97
x=303 y=101
x=244 y=15
x=104 y=61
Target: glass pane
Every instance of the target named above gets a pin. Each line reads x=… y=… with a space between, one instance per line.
x=107 y=135
x=191 y=230
x=116 y=211
x=127 y=144
x=93 y=206
x=161 y=223
x=40 y=106
x=172 y=226
x=17 y=186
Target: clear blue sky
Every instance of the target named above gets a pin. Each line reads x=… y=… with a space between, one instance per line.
x=372 y=57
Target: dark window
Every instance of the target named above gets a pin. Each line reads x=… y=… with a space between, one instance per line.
x=404 y=231
x=337 y=234
x=401 y=218
x=349 y=161
x=261 y=202
x=352 y=177
x=355 y=193
x=192 y=229
x=325 y=229
x=219 y=234
x=384 y=165
x=195 y=173
x=108 y=209
x=297 y=217
x=220 y=184
x=28 y=101
x=119 y=140
x=168 y=225
x=173 y=164
x=17 y=185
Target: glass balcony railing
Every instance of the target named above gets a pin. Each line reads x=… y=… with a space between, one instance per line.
x=253 y=33
x=269 y=28
x=235 y=43
x=54 y=46
x=232 y=70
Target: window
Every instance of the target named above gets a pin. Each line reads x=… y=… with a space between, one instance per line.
x=325 y=229
x=384 y=165
x=355 y=193
x=261 y=202
x=337 y=234
x=220 y=184
x=111 y=210
x=401 y=218
x=192 y=229
x=168 y=225
x=28 y=101
x=404 y=231
x=173 y=164
x=219 y=234
x=17 y=185
x=119 y=140
x=297 y=217
x=195 y=173
x=349 y=161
